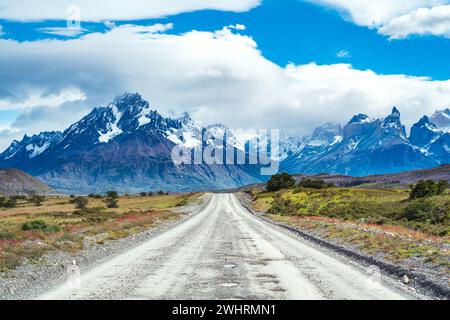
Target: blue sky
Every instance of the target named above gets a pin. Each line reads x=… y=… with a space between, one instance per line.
x=294 y=65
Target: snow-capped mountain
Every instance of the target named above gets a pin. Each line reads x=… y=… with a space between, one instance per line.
x=433 y=139
x=323 y=138
x=125 y=146
x=31 y=147
x=424 y=132
x=441 y=119
x=369 y=146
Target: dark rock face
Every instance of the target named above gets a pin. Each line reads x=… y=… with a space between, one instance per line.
x=424 y=132
x=440 y=148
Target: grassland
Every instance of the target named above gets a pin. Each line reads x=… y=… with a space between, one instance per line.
x=375 y=221
x=28 y=231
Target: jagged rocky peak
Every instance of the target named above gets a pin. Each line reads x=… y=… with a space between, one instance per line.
x=442 y=119
x=32 y=146
x=361 y=118
x=359 y=125
x=326 y=134
x=328 y=128
x=424 y=132
x=130 y=101
x=394 y=117
x=391 y=127
x=185 y=117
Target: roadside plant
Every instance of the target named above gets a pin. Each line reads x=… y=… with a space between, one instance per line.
x=111 y=203
x=280 y=181
x=80 y=202
x=315 y=184
x=10 y=202
x=95 y=196
x=443 y=185
x=112 y=194
x=283 y=207
x=37 y=200
x=39 y=225
x=428 y=188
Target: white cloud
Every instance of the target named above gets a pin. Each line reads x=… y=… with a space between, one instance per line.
x=36 y=99
x=66 y=32
x=397 y=19
x=344 y=53
x=103 y=10
x=237 y=27
x=217 y=76
x=424 y=21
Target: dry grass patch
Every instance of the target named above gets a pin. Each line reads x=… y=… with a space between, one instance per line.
x=58 y=225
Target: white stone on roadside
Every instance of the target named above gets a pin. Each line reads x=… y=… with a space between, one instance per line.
x=405 y=279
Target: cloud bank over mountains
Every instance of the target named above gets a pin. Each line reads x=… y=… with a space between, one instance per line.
x=218 y=76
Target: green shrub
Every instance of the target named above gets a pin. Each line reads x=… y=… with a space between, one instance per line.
x=111 y=203
x=95 y=196
x=428 y=188
x=143 y=194
x=280 y=181
x=315 y=184
x=283 y=207
x=443 y=185
x=10 y=202
x=37 y=200
x=39 y=225
x=112 y=194
x=80 y=202
x=182 y=203
x=427 y=211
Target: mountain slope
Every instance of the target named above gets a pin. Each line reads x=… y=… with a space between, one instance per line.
x=126 y=146
x=368 y=146
x=16 y=182
x=442 y=119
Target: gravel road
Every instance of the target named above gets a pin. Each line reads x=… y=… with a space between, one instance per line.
x=225 y=252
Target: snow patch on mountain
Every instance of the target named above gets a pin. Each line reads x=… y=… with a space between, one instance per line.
x=143 y=117
x=37 y=150
x=113 y=129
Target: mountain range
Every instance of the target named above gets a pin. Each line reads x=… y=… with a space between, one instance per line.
x=127 y=146
x=366 y=146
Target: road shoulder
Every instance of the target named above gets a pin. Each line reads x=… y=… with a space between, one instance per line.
x=418 y=283
x=31 y=280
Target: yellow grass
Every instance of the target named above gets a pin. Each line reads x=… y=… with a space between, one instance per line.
x=96 y=223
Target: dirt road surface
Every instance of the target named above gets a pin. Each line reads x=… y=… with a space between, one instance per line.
x=225 y=252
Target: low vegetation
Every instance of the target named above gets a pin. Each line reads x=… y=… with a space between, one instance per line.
x=428 y=188
x=375 y=219
x=28 y=231
x=279 y=182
